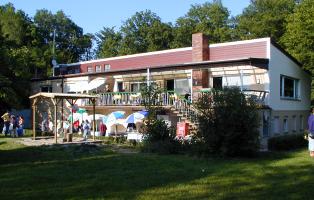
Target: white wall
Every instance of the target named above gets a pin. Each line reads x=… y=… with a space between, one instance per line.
x=280 y=64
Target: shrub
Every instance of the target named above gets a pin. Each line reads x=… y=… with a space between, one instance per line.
x=159 y=138
x=287 y=142
x=228 y=123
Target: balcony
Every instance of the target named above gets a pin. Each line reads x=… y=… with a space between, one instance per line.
x=167 y=98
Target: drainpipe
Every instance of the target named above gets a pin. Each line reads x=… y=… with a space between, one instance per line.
x=241 y=80
x=148 y=77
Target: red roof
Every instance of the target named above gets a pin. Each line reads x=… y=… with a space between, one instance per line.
x=218 y=52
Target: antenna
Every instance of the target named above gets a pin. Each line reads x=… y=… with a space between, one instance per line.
x=54 y=62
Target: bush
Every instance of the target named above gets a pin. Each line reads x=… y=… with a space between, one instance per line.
x=159 y=138
x=287 y=142
x=228 y=123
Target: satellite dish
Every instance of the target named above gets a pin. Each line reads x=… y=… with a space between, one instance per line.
x=54 y=62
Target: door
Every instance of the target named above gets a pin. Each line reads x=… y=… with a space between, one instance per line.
x=170 y=85
x=217 y=83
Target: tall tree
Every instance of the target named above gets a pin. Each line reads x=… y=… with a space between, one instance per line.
x=16 y=57
x=144 y=32
x=71 y=43
x=299 y=37
x=108 y=43
x=210 y=18
x=264 y=18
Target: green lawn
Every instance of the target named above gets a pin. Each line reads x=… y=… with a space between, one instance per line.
x=84 y=172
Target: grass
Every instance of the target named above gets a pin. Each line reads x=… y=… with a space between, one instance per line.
x=91 y=172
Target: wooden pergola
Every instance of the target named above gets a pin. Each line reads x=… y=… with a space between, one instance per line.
x=56 y=98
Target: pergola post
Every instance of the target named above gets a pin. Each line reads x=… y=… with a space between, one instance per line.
x=34 y=118
x=94 y=121
x=55 y=104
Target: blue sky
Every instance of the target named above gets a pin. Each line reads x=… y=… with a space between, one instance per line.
x=93 y=15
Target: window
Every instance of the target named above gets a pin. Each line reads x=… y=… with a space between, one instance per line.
x=89 y=69
x=135 y=87
x=289 y=87
x=301 y=123
x=294 y=123
x=107 y=67
x=46 y=88
x=98 y=68
x=276 y=125
x=285 y=125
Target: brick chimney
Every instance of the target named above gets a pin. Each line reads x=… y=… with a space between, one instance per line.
x=200 y=49
x=200 y=52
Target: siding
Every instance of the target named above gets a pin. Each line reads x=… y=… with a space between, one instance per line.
x=144 y=61
x=252 y=50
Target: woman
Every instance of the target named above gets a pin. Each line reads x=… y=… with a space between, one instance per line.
x=20 y=127
x=311 y=133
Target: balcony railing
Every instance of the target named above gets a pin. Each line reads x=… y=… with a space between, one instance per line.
x=167 y=98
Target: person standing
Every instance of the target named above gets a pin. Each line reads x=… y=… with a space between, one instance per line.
x=86 y=129
x=20 y=126
x=310 y=122
x=6 y=119
x=103 y=129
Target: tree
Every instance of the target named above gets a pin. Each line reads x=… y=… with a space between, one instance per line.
x=144 y=32
x=108 y=43
x=71 y=44
x=212 y=19
x=264 y=18
x=299 y=37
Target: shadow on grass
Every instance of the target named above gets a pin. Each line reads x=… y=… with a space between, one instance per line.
x=84 y=172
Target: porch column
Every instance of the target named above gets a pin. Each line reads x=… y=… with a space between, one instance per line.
x=34 y=117
x=94 y=122
x=54 y=101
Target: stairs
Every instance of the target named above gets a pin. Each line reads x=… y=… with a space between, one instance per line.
x=186 y=113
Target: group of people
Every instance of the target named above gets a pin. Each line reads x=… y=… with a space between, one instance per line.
x=86 y=129
x=13 y=125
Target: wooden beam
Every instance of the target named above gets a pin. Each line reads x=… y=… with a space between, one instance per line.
x=55 y=103
x=34 y=121
x=94 y=121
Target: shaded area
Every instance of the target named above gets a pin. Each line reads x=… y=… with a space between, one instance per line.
x=82 y=172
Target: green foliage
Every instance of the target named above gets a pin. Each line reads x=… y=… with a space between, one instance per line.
x=109 y=43
x=264 y=18
x=287 y=142
x=299 y=37
x=228 y=123
x=71 y=44
x=212 y=19
x=160 y=138
x=144 y=32
x=25 y=50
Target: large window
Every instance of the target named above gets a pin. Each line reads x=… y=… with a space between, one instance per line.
x=289 y=87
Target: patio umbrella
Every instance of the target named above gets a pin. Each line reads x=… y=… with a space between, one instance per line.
x=114 y=116
x=135 y=117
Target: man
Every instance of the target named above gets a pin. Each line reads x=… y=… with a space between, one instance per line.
x=310 y=122
x=103 y=129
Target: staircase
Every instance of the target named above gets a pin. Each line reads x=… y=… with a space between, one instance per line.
x=184 y=110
